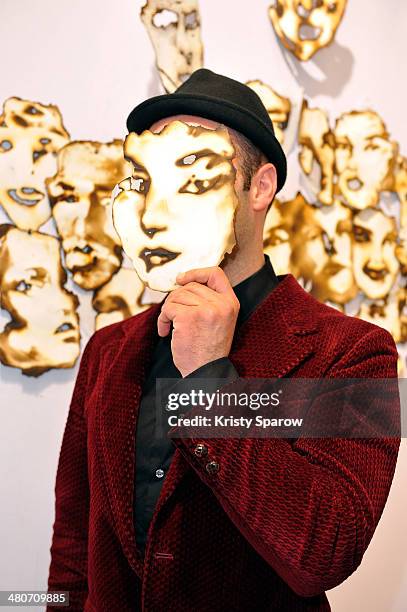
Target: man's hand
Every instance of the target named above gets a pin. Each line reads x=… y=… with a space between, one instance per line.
x=203 y=312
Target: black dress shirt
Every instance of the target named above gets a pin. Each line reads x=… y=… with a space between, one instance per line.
x=154 y=454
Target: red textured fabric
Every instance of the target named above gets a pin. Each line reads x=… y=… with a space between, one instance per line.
x=280 y=522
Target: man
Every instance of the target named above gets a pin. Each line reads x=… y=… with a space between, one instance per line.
x=153 y=524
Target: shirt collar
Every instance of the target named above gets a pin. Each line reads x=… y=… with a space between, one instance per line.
x=254 y=289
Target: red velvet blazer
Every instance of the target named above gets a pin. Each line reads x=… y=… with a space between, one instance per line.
x=281 y=522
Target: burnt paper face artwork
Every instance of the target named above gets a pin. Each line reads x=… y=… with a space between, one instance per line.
x=175 y=31
x=118 y=299
x=176 y=212
x=30 y=136
x=305 y=26
x=44 y=329
x=277 y=106
x=80 y=196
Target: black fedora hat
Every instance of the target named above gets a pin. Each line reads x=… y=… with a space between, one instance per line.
x=213 y=96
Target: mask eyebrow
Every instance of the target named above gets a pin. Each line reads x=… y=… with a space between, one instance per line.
x=65 y=186
x=216 y=159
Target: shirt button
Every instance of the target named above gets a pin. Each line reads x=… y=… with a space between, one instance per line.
x=159 y=473
x=212 y=467
x=201 y=450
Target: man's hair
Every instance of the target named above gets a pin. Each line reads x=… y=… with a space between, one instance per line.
x=250 y=156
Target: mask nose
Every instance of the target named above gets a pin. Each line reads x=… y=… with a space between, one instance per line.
x=150 y=231
x=154 y=215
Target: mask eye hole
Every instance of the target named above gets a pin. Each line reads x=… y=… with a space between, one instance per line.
x=139 y=183
x=22 y=287
x=198 y=186
x=5 y=145
x=31 y=110
x=38 y=154
x=191 y=20
x=360 y=234
x=165 y=18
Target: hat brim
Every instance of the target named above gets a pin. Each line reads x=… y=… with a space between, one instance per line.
x=232 y=115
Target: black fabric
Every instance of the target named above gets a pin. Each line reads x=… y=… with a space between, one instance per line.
x=154 y=452
x=213 y=96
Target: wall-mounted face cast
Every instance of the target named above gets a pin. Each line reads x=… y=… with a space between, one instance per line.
x=277 y=232
x=305 y=26
x=400 y=187
x=321 y=251
x=317 y=149
x=177 y=210
x=80 y=195
x=119 y=299
x=389 y=313
x=375 y=263
x=277 y=106
x=30 y=136
x=364 y=158
x=44 y=329
x=175 y=32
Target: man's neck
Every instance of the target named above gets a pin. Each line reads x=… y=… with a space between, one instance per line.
x=239 y=266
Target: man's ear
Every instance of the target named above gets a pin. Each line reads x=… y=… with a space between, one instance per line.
x=263 y=187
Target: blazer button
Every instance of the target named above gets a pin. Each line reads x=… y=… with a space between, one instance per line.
x=201 y=450
x=212 y=467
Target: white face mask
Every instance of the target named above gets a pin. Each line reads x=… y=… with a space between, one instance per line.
x=177 y=210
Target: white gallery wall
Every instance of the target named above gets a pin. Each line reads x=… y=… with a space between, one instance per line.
x=93 y=59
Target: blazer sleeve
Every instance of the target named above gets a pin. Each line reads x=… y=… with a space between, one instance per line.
x=309 y=507
x=68 y=567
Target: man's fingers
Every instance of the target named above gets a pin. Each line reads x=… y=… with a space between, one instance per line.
x=168 y=314
x=185 y=296
x=213 y=277
x=201 y=291
x=163 y=324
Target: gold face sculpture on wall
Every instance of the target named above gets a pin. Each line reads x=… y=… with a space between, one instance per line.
x=277 y=232
x=322 y=251
x=375 y=263
x=119 y=299
x=80 y=195
x=30 y=135
x=390 y=313
x=305 y=26
x=175 y=32
x=364 y=158
x=317 y=149
x=400 y=187
x=177 y=210
x=278 y=107
x=44 y=329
